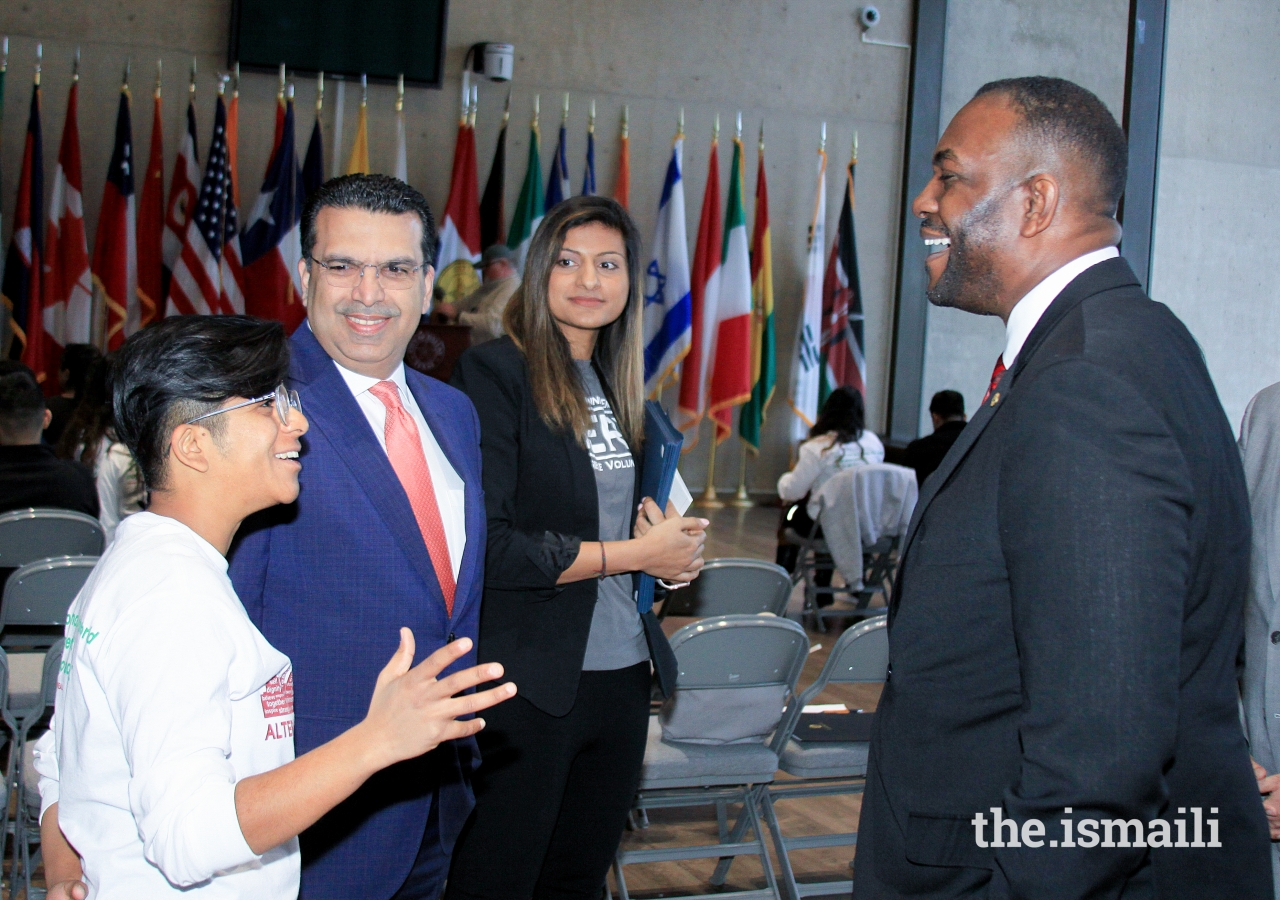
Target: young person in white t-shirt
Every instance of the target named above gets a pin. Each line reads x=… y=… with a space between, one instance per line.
x=168 y=770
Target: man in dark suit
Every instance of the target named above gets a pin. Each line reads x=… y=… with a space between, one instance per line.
x=388 y=530
x=925 y=454
x=1060 y=718
x=30 y=474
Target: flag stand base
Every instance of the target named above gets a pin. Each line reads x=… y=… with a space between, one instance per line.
x=708 y=500
x=742 y=500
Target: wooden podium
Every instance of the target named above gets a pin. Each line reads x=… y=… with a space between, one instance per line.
x=434 y=348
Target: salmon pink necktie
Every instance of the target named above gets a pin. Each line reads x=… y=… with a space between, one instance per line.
x=995 y=382
x=404 y=449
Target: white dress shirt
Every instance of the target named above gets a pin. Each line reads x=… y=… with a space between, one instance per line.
x=1027 y=312
x=167 y=697
x=449 y=487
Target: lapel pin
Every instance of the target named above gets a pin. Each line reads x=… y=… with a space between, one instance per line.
x=995 y=398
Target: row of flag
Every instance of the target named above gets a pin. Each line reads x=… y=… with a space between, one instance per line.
x=708 y=327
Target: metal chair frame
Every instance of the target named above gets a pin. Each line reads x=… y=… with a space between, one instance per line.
x=879 y=562
x=719 y=795
x=778 y=606
x=47 y=612
x=25 y=827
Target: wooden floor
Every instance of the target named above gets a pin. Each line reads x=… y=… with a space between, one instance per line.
x=752 y=533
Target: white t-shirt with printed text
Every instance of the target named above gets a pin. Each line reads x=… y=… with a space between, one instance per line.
x=168 y=696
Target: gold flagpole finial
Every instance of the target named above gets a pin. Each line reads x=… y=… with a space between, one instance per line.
x=235 y=85
x=191 y=88
x=506 y=110
x=822 y=144
x=75 y=66
x=159 y=73
x=400 y=93
x=39 y=60
x=364 y=89
x=319 y=91
x=715 y=131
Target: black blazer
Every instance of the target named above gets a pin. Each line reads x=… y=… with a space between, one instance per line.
x=1066 y=623
x=540 y=495
x=925 y=454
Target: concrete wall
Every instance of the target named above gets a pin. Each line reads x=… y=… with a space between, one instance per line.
x=793 y=65
x=1219 y=170
x=1084 y=41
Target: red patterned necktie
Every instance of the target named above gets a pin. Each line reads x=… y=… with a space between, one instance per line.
x=404 y=449
x=996 y=373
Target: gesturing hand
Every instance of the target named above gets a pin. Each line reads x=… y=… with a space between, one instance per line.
x=412 y=712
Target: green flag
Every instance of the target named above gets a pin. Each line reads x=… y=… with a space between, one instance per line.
x=763 y=357
x=530 y=207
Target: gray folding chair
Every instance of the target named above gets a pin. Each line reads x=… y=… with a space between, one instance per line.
x=36 y=599
x=25 y=709
x=727 y=587
x=860 y=656
x=736 y=675
x=30 y=534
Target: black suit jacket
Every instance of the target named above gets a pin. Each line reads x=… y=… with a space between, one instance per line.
x=31 y=475
x=540 y=495
x=1066 y=624
x=926 y=454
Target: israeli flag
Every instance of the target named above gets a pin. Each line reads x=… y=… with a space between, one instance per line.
x=668 y=308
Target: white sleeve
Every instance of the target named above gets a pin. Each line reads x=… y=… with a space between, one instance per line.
x=795 y=484
x=46 y=753
x=164 y=668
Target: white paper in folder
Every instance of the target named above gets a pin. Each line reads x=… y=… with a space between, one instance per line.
x=680 y=496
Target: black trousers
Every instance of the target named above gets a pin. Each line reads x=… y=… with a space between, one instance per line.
x=552 y=793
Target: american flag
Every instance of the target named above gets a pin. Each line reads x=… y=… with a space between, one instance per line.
x=207 y=276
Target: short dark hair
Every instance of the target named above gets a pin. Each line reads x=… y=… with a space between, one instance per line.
x=78 y=360
x=1066 y=115
x=184 y=366
x=947 y=404
x=21 y=401
x=372 y=193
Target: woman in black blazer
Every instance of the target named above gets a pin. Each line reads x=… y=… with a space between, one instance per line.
x=561 y=405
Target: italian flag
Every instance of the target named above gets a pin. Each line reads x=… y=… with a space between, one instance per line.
x=731 y=318
x=529 y=208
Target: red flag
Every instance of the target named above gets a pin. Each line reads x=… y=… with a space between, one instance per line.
x=151 y=227
x=182 y=194
x=731 y=369
x=704 y=291
x=207 y=277
x=68 y=290
x=22 y=268
x=233 y=141
x=622 y=185
x=115 y=250
x=460 y=246
x=271 y=242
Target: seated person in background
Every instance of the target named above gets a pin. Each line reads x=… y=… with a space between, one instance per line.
x=30 y=473
x=925 y=454
x=91 y=439
x=483 y=308
x=73 y=372
x=838 y=440
x=168 y=769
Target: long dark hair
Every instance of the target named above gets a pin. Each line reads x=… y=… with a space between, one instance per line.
x=844 y=416
x=91 y=419
x=618 y=355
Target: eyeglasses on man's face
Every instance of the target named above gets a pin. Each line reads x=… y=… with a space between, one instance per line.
x=345 y=274
x=284 y=399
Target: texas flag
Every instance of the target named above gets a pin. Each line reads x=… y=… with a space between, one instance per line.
x=115 y=251
x=271 y=243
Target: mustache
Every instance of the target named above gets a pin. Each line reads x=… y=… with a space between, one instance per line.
x=934 y=225
x=361 y=309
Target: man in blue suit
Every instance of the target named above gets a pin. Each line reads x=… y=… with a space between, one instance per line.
x=388 y=530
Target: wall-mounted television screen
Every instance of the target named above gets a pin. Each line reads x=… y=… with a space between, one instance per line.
x=379 y=38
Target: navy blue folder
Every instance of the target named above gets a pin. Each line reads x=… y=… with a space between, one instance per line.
x=662 y=443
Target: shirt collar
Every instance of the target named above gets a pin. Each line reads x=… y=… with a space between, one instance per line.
x=1027 y=312
x=358 y=383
